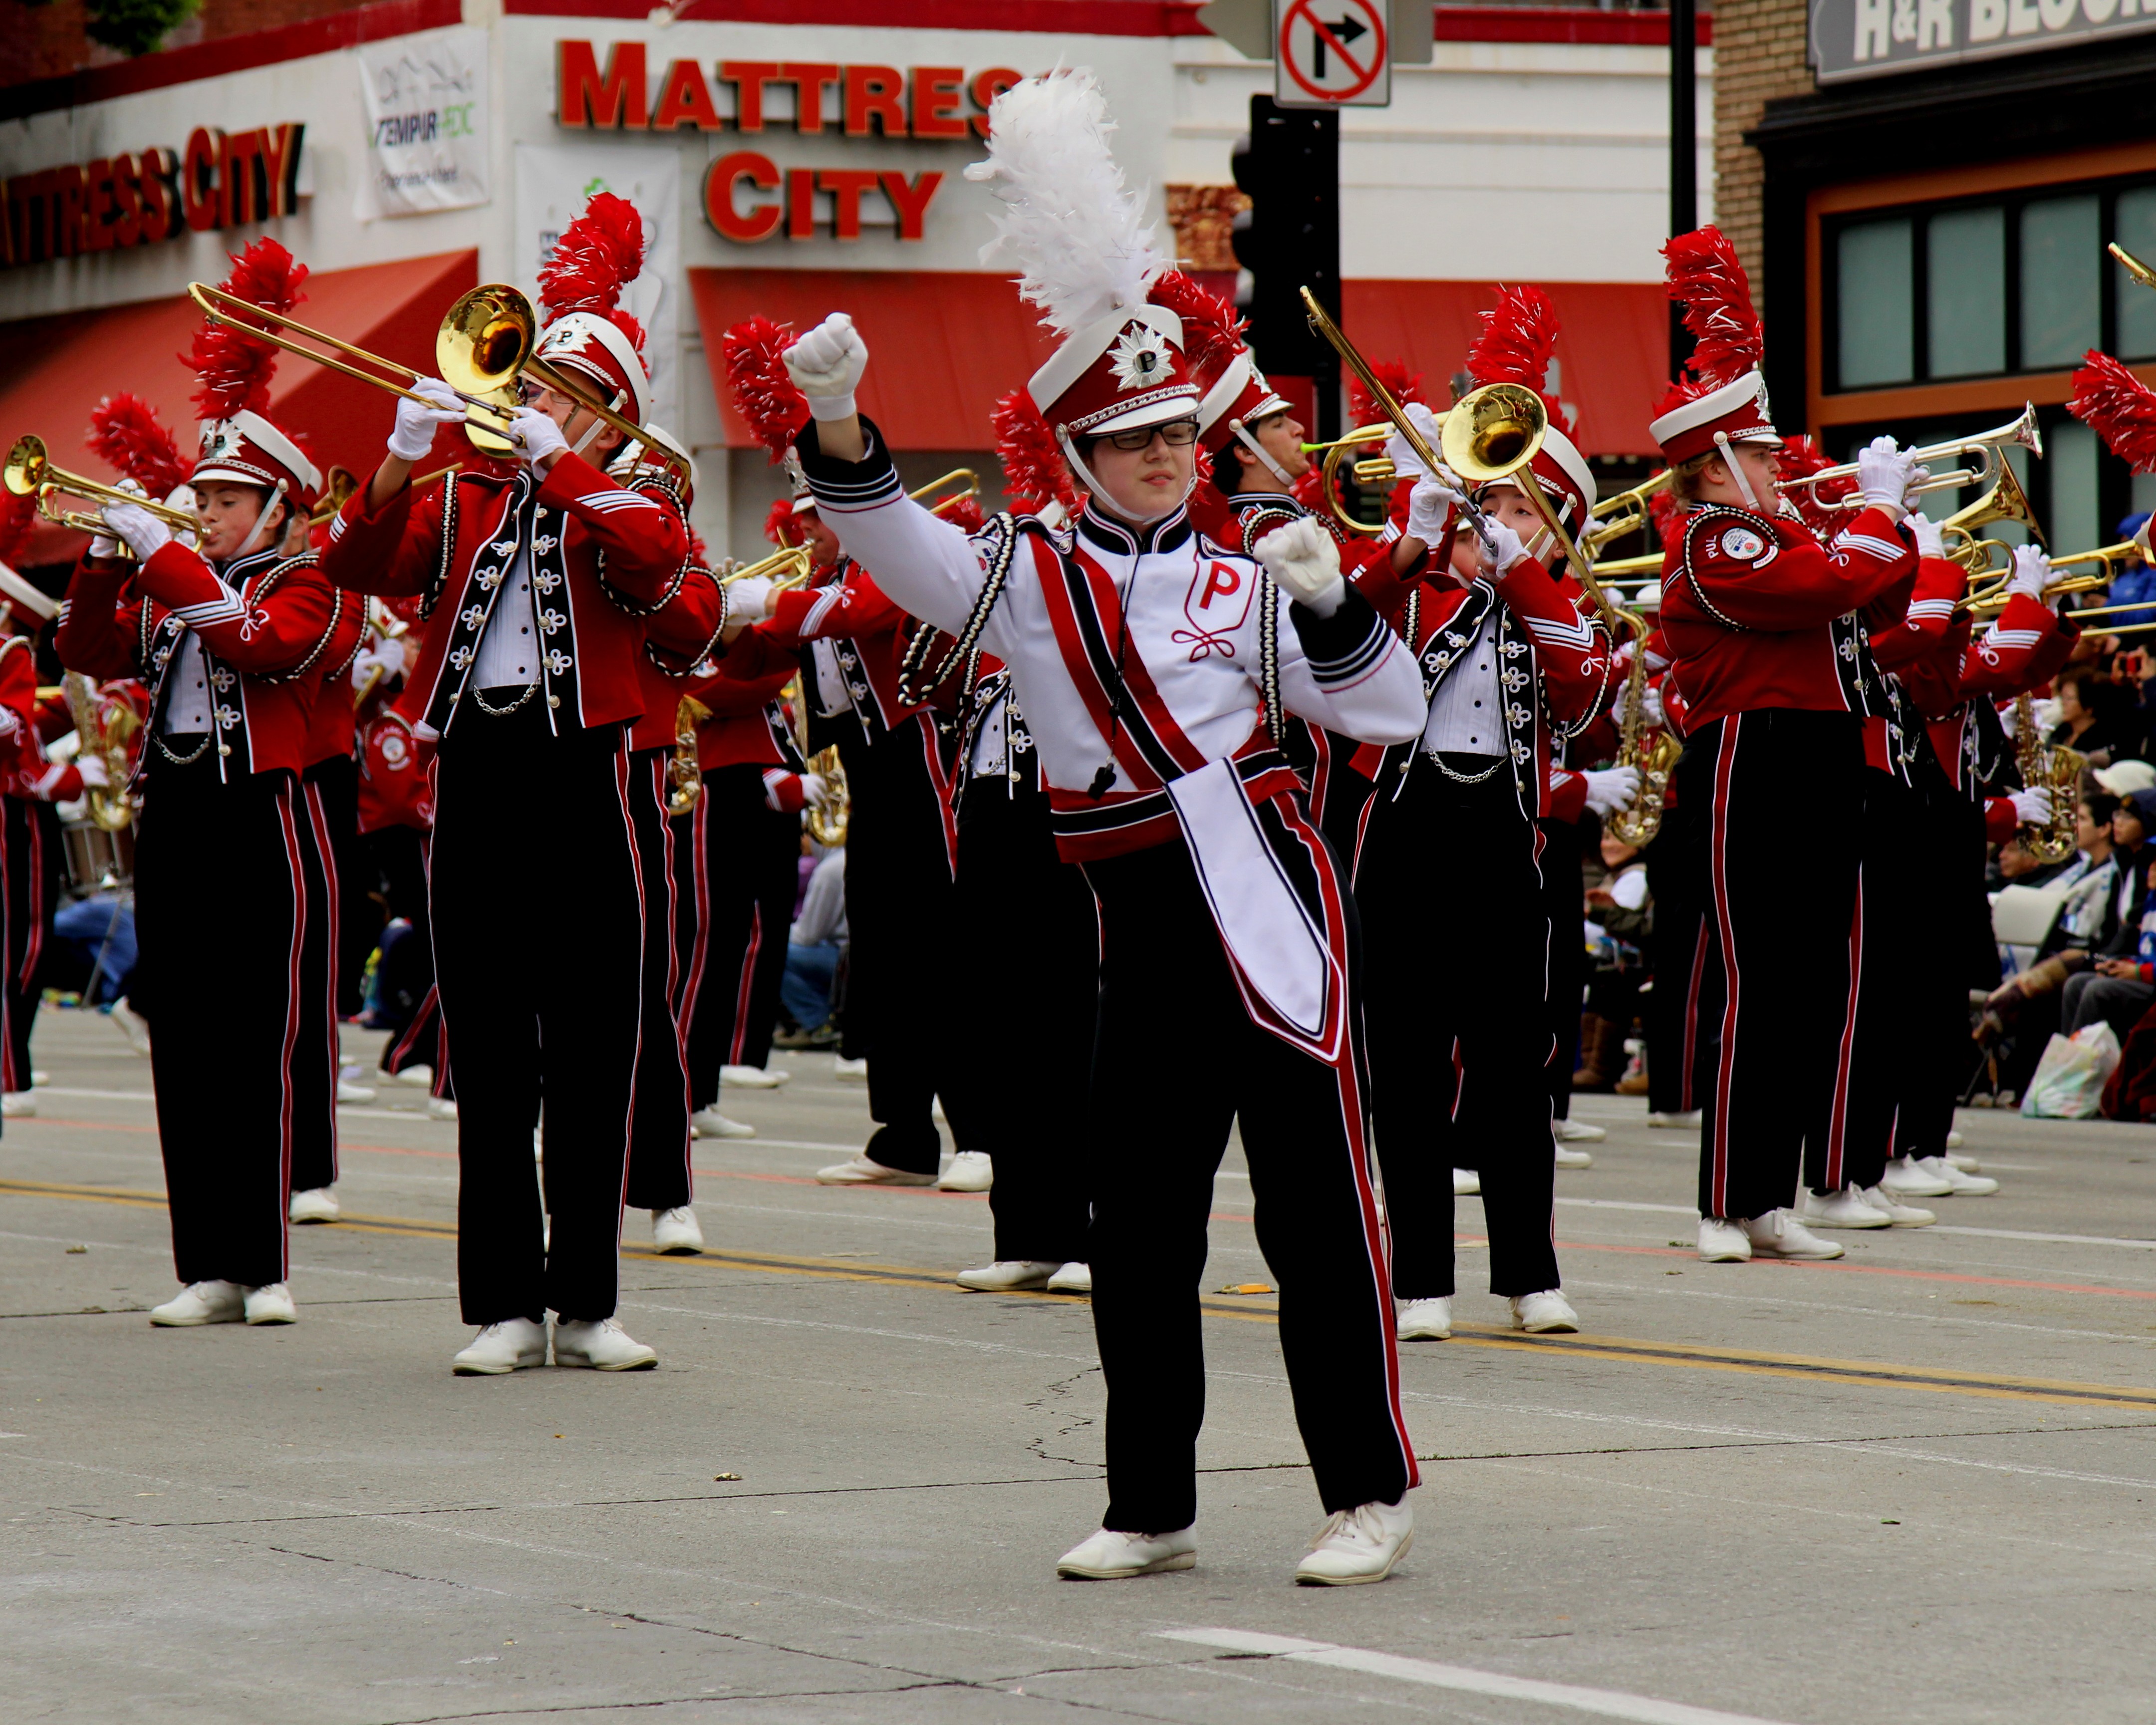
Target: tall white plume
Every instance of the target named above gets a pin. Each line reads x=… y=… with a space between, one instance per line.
x=1072 y=228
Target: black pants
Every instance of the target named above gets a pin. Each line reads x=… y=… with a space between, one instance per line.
x=1778 y=934
x=1564 y=843
x=220 y=913
x=1177 y=1062
x=659 y=1178
x=1872 y=1064
x=359 y=909
x=737 y=872
x=1027 y=940
x=1468 y=997
x=314 y=1071
x=537 y=910
x=33 y=868
x=1678 y=964
x=898 y=913
x=1953 y=922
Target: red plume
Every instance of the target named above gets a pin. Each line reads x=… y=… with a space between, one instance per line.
x=1362 y=407
x=764 y=393
x=1668 y=516
x=2119 y=408
x=1517 y=343
x=965 y=513
x=597 y=257
x=1706 y=279
x=235 y=369
x=1034 y=474
x=18 y=515
x=1212 y=333
x=780 y=527
x=127 y=435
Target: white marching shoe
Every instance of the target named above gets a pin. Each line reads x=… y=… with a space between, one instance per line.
x=1960 y=1183
x=855 y=1071
x=970 y=1171
x=1687 y=1121
x=1111 y=1557
x=1901 y=1214
x=753 y=1077
x=1567 y=1156
x=419 y=1077
x=1465 y=1183
x=272 y=1305
x=861 y=1172
x=1723 y=1241
x=441 y=1107
x=710 y=1123
x=133 y=1025
x=1579 y=1132
x=1073 y=1278
x=1359 y=1544
x=1423 y=1319
x=1907 y=1177
x=1007 y=1273
x=510 y=1346
x=347 y=1091
x=1848 y=1207
x=203 y=1302
x=1544 y=1313
x=319 y=1204
x=605 y=1346
x=18 y=1104
x=1779 y=1235
x=676 y=1232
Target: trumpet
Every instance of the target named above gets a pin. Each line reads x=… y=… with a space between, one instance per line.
x=1625 y=513
x=1375 y=471
x=30 y=473
x=2132 y=265
x=797 y=561
x=1986 y=444
x=2107 y=558
x=968 y=484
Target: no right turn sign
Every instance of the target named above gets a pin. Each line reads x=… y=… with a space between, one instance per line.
x=1332 y=54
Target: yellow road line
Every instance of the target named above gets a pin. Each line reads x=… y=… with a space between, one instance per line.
x=1615 y=1349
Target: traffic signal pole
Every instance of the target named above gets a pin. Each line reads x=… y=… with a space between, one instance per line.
x=1289 y=167
x=1684 y=153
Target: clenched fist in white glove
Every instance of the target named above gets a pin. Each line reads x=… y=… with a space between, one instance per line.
x=1408 y=464
x=1612 y=789
x=1430 y=504
x=2032 y=808
x=1651 y=705
x=93 y=772
x=418 y=421
x=2032 y=571
x=749 y=598
x=1305 y=560
x=1930 y=542
x=1500 y=549
x=537 y=438
x=826 y=365
x=1883 y=476
x=815 y=789
x=145 y=533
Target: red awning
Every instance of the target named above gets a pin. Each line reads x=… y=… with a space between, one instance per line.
x=943 y=346
x=1612 y=350
x=65 y=364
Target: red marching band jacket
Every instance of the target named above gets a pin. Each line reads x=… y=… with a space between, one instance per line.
x=265 y=623
x=746 y=723
x=868 y=632
x=35 y=778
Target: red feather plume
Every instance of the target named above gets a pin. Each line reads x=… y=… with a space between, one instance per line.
x=1362 y=407
x=1034 y=472
x=1706 y=279
x=2119 y=408
x=234 y=369
x=18 y=515
x=1212 y=333
x=1516 y=345
x=781 y=527
x=127 y=435
x=966 y=513
x=595 y=260
x=1668 y=516
x=764 y=393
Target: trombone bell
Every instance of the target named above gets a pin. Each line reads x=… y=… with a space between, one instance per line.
x=1493 y=432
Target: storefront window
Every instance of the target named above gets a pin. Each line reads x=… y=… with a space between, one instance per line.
x=2062 y=296
x=1965 y=263
x=1877 y=323
x=2070 y=452
x=2136 y=226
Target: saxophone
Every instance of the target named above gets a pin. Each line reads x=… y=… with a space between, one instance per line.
x=686 y=771
x=1654 y=759
x=106 y=738
x=826 y=819
x=2056 y=770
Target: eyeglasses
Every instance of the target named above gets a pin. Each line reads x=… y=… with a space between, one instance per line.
x=1177 y=435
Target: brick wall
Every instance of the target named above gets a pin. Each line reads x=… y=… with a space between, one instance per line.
x=1758 y=56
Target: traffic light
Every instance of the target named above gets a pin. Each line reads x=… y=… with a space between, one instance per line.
x=1288 y=164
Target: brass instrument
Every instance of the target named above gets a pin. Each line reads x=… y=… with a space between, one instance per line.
x=1985 y=444
x=828 y=815
x=336 y=492
x=797 y=561
x=1624 y=513
x=685 y=772
x=1375 y=471
x=2057 y=770
x=386 y=623
x=2005 y=501
x=1646 y=568
x=2132 y=265
x=1653 y=761
x=968 y=481
x=30 y=473
x=2104 y=557
x=106 y=738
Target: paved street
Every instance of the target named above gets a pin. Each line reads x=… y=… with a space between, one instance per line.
x=1917 y=1486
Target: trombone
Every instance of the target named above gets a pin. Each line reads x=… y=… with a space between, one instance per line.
x=30 y=473
x=968 y=484
x=1985 y=444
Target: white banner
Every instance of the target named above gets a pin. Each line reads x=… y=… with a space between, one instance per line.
x=552 y=187
x=424 y=97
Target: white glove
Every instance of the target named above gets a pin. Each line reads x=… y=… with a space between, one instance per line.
x=2032 y=570
x=1882 y=475
x=1305 y=560
x=418 y=421
x=815 y=790
x=1612 y=789
x=1406 y=464
x=1501 y=550
x=93 y=772
x=749 y=597
x=1430 y=504
x=2032 y=808
x=536 y=437
x=145 y=534
x=826 y=364
x=1930 y=542
x=1911 y=503
x=2009 y=718
x=1651 y=704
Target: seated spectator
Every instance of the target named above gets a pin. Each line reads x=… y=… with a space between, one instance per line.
x=812 y=951
x=2120 y=982
x=2135 y=582
x=2097 y=716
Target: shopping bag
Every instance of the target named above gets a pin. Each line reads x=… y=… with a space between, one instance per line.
x=2070 y=1076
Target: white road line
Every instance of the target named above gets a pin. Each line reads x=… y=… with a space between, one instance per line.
x=1609 y=1703
x=2145 y=1245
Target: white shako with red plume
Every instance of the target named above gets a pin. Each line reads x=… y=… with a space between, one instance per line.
x=239 y=443
x=1234 y=394
x=1724 y=400
x=1074 y=230
x=580 y=285
x=1517 y=344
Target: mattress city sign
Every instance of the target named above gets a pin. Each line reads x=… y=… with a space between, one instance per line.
x=139 y=198
x=924 y=102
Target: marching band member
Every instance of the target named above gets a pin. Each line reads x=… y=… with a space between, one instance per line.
x=534 y=884
x=1147 y=662
x=228 y=639
x=1769 y=657
x=33 y=854
x=1509 y=663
